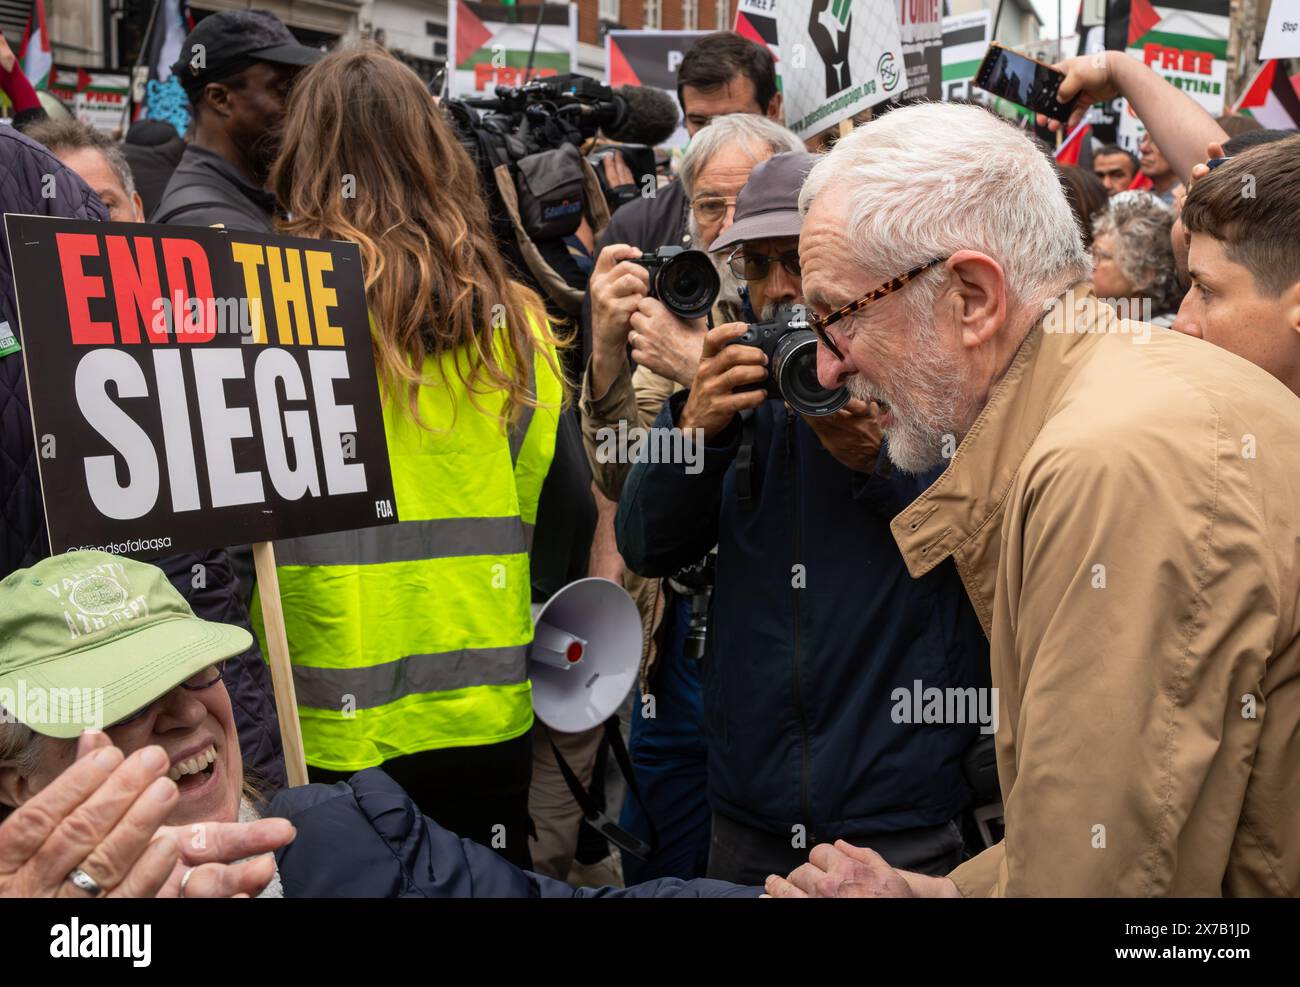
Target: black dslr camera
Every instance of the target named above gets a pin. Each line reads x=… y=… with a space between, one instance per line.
x=684 y=280
x=791 y=349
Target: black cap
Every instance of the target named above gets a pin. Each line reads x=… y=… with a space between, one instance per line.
x=231 y=41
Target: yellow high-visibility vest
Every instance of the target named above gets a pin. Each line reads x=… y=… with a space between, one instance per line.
x=414 y=636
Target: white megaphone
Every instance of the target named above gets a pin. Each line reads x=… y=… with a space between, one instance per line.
x=585 y=654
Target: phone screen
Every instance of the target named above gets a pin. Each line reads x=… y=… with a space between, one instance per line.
x=1023 y=81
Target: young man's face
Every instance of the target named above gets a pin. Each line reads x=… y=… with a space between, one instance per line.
x=699 y=106
x=1226 y=307
x=1115 y=171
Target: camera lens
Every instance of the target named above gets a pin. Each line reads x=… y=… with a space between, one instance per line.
x=688 y=285
x=794 y=368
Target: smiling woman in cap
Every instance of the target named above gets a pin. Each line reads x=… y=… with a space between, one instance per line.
x=89 y=640
x=92 y=642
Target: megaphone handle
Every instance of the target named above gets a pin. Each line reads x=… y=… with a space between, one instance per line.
x=594 y=814
x=615 y=738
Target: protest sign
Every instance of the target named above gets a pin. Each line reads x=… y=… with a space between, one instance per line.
x=1186 y=41
x=756 y=20
x=920 y=25
x=1282 y=33
x=494 y=45
x=839 y=58
x=195 y=388
x=97 y=99
x=966 y=38
x=648 y=58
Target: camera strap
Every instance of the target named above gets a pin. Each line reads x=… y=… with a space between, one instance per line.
x=745 y=459
x=569 y=300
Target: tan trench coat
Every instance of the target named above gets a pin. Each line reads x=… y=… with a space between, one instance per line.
x=1126 y=519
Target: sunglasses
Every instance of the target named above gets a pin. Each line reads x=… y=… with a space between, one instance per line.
x=754 y=267
x=818 y=324
x=197 y=682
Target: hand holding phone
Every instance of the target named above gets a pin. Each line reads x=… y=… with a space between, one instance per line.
x=1023 y=81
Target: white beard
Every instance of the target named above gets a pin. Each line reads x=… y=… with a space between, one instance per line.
x=926 y=401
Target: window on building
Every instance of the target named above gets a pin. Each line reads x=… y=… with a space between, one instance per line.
x=654 y=14
x=609 y=10
x=690 y=15
x=722 y=13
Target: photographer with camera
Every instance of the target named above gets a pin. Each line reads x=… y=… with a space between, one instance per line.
x=722 y=74
x=634 y=295
x=803 y=650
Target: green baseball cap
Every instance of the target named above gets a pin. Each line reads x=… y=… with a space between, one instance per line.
x=87 y=639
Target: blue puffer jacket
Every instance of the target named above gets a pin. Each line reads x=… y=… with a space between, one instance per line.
x=212 y=591
x=813 y=623
x=365 y=838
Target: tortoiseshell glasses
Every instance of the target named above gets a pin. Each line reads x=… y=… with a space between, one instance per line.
x=818 y=324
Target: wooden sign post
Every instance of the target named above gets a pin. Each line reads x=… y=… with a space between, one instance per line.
x=277 y=656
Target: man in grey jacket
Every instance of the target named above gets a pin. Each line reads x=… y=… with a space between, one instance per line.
x=236 y=67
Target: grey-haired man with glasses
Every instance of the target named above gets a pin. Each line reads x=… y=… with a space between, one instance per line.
x=814 y=626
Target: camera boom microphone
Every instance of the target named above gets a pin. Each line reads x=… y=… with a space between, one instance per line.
x=651 y=116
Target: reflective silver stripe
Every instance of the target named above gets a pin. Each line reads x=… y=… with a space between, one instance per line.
x=378 y=685
x=408 y=541
x=519 y=431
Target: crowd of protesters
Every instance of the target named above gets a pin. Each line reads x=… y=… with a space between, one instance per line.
x=1062 y=485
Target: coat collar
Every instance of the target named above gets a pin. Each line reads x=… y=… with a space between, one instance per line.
x=973 y=488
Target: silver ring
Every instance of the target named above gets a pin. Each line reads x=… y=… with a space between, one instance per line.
x=85 y=882
x=185 y=879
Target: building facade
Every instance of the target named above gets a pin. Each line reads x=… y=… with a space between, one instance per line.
x=109 y=33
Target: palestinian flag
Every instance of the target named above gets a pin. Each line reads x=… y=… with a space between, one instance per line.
x=1181 y=25
x=755 y=21
x=489 y=35
x=1186 y=42
x=35 y=52
x=1273 y=99
x=1140 y=183
x=1068 y=152
x=1142 y=17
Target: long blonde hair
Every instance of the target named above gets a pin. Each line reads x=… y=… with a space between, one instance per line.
x=368 y=156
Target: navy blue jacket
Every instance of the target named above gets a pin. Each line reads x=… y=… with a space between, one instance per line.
x=213 y=592
x=798 y=681
x=365 y=838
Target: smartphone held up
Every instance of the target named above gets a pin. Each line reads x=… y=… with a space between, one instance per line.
x=1023 y=81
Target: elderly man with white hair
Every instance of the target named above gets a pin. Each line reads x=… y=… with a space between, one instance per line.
x=811 y=629
x=1125 y=515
